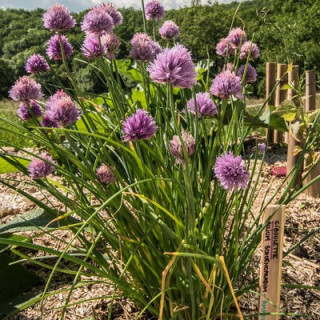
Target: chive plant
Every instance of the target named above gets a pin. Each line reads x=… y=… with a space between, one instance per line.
x=156 y=173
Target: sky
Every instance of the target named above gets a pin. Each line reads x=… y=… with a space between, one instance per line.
x=80 y=5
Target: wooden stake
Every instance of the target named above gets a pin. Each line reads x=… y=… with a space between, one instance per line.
x=271 y=263
x=293 y=159
x=310 y=90
x=271 y=69
x=281 y=95
x=293 y=79
x=314 y=189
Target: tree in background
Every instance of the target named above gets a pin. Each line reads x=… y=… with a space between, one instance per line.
x=195 y=3
x=286 y=31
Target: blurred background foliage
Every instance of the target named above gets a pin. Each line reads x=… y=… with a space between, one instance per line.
x=285 y=30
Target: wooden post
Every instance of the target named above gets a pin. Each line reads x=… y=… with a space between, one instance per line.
x=314 y=189
x=293 y=79
x=293 y=159
x=271 y=69
x=271 y=263
x=281 y=95
x=271 y=82
x=310 y=90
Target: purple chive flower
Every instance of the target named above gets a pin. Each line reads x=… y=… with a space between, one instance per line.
x=154 y=10
x=176 y=146
x=225 y=48
x=111 y=43
x=174 y=66
x=25 y=89
x=169 y=30
x=37 y=64
x=58 y=18
x=251 y=48
x=61 y=110
x=54 y=49
x=139 y=126
x=25 y=112
x=91 y=46
x=47 y=123
x=231 y=172
x=228 y=66
x=113 y=13
x=98 y=21
x=251 y=75
x=237 y=37
x=105 y=174
x=261 y=148
x=226 y=84
x=140 y=37
x=205 y=105
x=39 y=168
x=143 y=48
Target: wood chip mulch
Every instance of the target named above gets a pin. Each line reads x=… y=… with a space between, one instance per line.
x=302 y=266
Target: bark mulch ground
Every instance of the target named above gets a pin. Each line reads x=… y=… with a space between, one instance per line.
x=302 y=266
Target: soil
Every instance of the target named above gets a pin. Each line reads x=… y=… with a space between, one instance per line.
x=301 y=266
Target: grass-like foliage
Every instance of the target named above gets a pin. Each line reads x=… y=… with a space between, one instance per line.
x=157 y=175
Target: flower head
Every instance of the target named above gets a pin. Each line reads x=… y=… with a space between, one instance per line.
x=174 y=66
x=139 y=126
x=251 y=48
x=58 y=18
x=46 y=122
x=143 y=48
x=237 y=37
x=39 y=168
x=251 y=75
x=169 y=30
x=205 y=105
x=225 y=48
x=25 y=89
x=105 y=174
x=54 y=49
x=176 y=145
x=91 y=46
x=231 y=172
x=111 y=43
x=60 y=109
x=25 y=112
x=113 y=13
x=261 y=148
x=226 y=84
x=37 y=64
x=228 y=66
x=140 y=37
x=98 y=21
x=154 y=10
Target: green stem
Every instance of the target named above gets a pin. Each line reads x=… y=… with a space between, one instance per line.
x=65 y=63
x=144 y=17
x=154 y=30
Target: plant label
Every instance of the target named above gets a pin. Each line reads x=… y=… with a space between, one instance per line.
x=271 y=263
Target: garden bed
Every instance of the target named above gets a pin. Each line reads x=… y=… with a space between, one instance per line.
x=301 y=267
